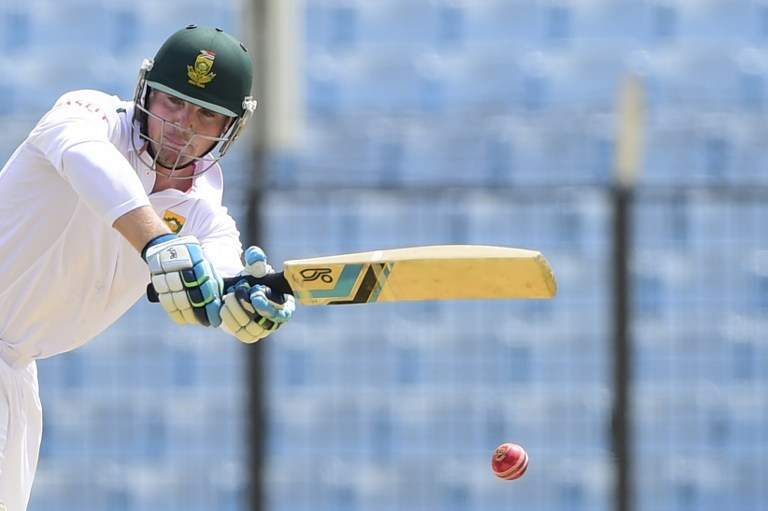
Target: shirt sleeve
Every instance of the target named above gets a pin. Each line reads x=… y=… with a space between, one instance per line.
x=77 y=117
x=75 y=137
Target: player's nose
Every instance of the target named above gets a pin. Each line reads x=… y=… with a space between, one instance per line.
x=185 y=117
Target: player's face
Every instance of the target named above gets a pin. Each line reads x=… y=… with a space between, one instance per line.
x=175 y=141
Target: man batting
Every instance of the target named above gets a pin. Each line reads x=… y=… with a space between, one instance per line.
x=105 y=196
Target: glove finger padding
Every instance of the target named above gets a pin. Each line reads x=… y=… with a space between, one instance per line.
x=251 y=313
x=188 y=287
x=256 y=262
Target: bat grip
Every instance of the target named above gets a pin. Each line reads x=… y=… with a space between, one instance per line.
x=274 y=281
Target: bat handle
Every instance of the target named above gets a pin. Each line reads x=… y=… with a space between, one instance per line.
x=274 y=281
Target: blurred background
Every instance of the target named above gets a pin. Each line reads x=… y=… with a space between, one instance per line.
x=623 y=138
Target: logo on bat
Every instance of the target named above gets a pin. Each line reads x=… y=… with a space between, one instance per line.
x=312 y=274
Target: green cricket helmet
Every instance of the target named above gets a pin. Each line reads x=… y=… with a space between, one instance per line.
x=204 y=66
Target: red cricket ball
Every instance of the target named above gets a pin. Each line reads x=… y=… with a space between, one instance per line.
x=509 y=462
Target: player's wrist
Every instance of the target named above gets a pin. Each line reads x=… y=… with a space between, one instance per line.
x=162 y=238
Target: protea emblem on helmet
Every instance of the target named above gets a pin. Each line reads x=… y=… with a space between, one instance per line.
x=200 y=74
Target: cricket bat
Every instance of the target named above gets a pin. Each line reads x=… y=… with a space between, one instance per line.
x=440 y=272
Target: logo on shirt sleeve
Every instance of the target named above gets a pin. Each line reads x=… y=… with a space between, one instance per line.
x=174 y=221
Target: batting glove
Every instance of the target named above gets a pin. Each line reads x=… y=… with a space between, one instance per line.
x=188 y=287
x=252 y=312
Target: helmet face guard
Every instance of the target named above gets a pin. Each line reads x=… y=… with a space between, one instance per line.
x=207 y=68
x=155 y=147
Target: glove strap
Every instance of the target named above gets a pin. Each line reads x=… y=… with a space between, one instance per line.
x=156 y=241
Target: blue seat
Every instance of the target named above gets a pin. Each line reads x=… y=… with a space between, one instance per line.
x=686 y=76
x=719 y=20
x=415 y=24
x=621 y=25
x=17 y=28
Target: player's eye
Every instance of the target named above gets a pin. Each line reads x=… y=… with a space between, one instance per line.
x=174 y=100
x=208 y=114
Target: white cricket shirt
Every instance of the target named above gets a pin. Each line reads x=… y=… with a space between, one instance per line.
x=67 y=274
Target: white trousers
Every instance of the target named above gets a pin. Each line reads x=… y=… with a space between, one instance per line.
x=21 y=426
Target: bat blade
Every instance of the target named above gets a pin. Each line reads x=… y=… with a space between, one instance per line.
x=442 y=272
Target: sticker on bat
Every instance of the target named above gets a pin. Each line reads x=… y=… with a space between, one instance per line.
x=312 y=274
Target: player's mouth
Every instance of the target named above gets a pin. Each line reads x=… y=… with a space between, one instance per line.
x=176 y=143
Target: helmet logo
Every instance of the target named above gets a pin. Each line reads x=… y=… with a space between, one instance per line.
x=200 y=74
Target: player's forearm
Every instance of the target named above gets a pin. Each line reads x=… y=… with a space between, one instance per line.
x=140 y=226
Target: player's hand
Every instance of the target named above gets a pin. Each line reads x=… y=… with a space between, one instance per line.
x=252 y=312
x=187 y=285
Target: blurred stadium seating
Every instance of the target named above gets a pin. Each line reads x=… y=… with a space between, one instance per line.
x=446 y=121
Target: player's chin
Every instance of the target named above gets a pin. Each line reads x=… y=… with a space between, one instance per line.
x=170 y=160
